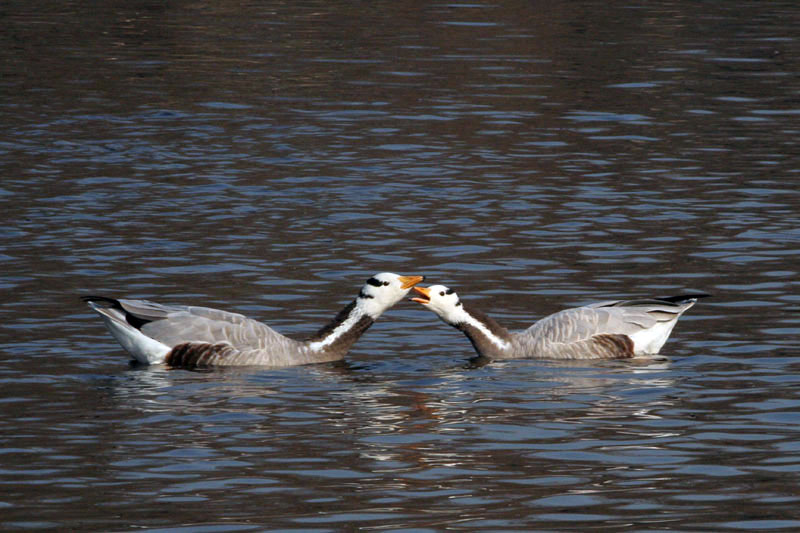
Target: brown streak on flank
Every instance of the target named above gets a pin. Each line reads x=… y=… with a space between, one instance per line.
x=194 y=354
x=614 y=346
x=175 y=356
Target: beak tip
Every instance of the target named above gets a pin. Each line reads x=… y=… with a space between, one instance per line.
x=409 y=281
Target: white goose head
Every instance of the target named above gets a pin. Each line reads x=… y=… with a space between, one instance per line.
x=443 y=301
x=383 y=290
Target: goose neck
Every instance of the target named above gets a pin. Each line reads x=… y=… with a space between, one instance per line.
x=344 y=330
x=488 y=337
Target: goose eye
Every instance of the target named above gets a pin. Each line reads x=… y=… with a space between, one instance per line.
x=441 y=293
x=385 y=283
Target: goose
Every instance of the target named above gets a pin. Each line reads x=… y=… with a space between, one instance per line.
x=188 y=336
x=605 y=330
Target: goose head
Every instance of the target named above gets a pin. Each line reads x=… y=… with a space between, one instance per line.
x=443 y=301
x=383 y=290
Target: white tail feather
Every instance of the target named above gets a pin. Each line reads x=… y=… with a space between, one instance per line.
x=140 y=346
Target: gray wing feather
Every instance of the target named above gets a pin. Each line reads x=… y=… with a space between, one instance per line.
x=147 y=310
x=611 y=329
x=581 y=323
x=174 y=325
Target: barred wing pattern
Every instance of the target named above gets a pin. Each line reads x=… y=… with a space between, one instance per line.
x=211 y=336
x=606 y=330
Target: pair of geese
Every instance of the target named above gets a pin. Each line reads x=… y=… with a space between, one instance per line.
x=186 y=336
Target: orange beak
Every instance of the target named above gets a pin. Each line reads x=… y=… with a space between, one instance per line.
x=410 y=281
x=424 y=291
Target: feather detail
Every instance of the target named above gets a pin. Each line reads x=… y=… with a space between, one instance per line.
x=198 y=354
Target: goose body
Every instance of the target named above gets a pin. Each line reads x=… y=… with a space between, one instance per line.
x=605 y=330
x=188 y=336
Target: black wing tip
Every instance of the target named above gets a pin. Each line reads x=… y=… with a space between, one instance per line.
x=685 y=297
x=101 y=299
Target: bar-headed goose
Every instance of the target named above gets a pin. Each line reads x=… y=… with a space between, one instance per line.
x=606 y=330
x=200 y=336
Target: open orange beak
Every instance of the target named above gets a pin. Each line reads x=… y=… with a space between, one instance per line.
x=424 y=291
x=410 y=281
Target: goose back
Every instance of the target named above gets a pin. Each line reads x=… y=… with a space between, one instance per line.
x=614 y=329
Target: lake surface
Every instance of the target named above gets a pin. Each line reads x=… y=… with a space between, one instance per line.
x=268 y=157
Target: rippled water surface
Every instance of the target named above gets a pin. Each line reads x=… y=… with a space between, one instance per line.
x=267 y=157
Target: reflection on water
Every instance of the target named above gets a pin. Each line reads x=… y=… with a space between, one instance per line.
x=394 y=433
x=265 y=158
x=459 y=443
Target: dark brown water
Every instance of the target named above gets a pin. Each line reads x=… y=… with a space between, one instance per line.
x=267 y=157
